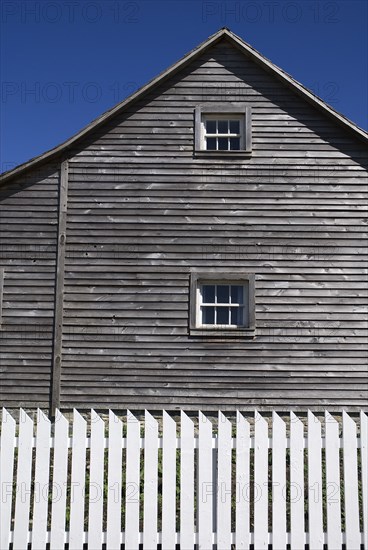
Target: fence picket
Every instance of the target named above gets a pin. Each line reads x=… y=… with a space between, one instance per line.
x=114 y=483
x=205 y=460
x=350 y=482
x=7 y=439
x=364 y=462
x=96 y=482
x=186 y=483
x=132 y=482
x=260 y=482
x=59 y=481
x=23 y=487
x=315 y=483
x=150 y=482
x=205 y=479
x=78 y=473
x=242 y=527
x=333 y=487
x=279 y=538
x=168 y=482
x=224 y=483
x=297 y=536
x=41 y=481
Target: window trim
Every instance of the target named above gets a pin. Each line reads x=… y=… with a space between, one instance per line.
x=229 y=110
x=196 y=278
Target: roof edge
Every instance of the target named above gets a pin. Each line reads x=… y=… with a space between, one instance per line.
x=62 y=148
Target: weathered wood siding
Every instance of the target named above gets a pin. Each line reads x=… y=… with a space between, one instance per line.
x=142 y=212
x=28 y=229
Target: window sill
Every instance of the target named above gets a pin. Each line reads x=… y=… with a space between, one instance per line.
x=223 y=333
x=222 y=154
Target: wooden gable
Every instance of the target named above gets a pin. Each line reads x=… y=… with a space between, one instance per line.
x=142 y=212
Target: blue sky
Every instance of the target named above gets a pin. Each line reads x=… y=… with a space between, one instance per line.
x=65 y=62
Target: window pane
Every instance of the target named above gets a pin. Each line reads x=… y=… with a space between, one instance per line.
x=211 y=144
x=237 y=316
x=211 y=126
x=222 y=316
x=208 y=315
x=223 y=294
x=234 y=127
x=234 y=144
x=223 y=144
x=223 y=126
x=237 y=294
x=208 y=294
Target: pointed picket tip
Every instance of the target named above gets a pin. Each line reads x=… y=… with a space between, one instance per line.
x=79 y=422
x=297 y=427
x=294 y=418
x=329 y=419
x=202 y=418
x=77 y=417
x=347 y=419
x=41 y=417
x=95 y=417
x=276 y=418
x=60 y=419
x=186 y=421
x=184 y=417
x=348 y=422
x=241 y=420
x=204 y=422
x=131 y=419
x=24 y=417
x=278 y=425
x=131 y=416
x=242 y=429
x=168 y=423
x=222 y=419
x=58 y=415
x=113 y=418
x=167 y=416
x=312 y=418
x=259 y=419
x=7 y=417
x=150 y=422
x=224 y=426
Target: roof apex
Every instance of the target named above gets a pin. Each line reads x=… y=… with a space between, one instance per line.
x=224 y=32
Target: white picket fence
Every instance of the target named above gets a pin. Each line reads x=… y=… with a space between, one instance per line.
x=226 y=482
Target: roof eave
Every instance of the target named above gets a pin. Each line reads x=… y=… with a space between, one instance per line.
x=299 y=88
x=63 y=147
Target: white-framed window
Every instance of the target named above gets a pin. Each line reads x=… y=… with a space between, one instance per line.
x=222 y=303
x=222 y=133
x=223 y=130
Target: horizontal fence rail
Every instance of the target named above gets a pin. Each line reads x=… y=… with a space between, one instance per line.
x=185 y=482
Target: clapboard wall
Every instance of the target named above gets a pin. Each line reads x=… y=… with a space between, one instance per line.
x=28 y=241
x=142 y=212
